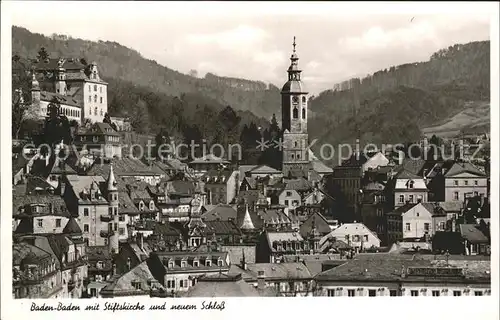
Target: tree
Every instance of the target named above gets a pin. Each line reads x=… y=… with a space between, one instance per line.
x=56 y=126
x=23 y=114
x=107 y=119
x=42 y=54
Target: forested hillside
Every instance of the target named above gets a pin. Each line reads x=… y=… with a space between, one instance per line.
x=125 y=64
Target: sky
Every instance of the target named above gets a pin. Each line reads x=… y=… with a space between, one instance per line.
x=335 y=41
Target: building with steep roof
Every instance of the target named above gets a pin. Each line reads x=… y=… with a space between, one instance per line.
x=76 y=84
x=100 y=140
x=356 y=235
x=464 y=180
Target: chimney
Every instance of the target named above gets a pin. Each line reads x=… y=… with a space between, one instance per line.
x=62 y=186
x=243 y=260
x=261 y=280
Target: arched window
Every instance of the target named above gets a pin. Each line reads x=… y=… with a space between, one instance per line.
x=292 y=156
x=303 y=99
x=295 y=113
x=298 y=156
x=303 y=113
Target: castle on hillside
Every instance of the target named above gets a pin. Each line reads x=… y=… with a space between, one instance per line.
x=77 y=88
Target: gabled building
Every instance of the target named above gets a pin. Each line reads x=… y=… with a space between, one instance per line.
x=100 y=140
x=77 y=84
x=463 y=180
x=356 y=235
x=273 y=245
x=220 y=186
x=408 y=188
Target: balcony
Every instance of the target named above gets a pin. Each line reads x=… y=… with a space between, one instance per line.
x=106 y=218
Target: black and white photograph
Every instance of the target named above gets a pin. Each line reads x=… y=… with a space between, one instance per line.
x=185 y=154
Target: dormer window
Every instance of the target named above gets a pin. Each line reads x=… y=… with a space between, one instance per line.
x=219 y=262
x=136 y=284
x=208 y=263
x=151 y=205
x=170 y=264
x=196 y=263
x=410 y=184
x=141 y=206
x=183 y=263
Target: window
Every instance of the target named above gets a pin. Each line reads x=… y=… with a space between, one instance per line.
x=426 y=227
x=457 y=293
x=442 y=225
x=401 y=198
x=208 y=263
x=293 y=156
x=95 y=87
x=351 y=293
x=183 y=264
x=286 y=202
x=85 y=228
x=407 y=227
x=170 y=284
x=478 y=293
x=40 y=222
x=393 y=293
x=466 y=182
x=151 y=205
x=355 y=238
x=95 y=111
x=455 y=195
x=295 y=113
x=100 y=109
x=303 y=99
x=100 y=99
x=414 y=293
x=100 y=90
x=411 y=200
x=288 y=193
x=475 y=182
x=58 y=223
x=90 y=98
x=121 y=231
x=196 y=263
x=219 y=262
x=435 y=293
x=181 y=284
x=365 y=238
x=418 y=214
x=330 y=293
x=455 y=182
x=303 y=113
x=372 y=293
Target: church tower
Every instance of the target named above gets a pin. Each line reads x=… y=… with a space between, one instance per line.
x=294 y=101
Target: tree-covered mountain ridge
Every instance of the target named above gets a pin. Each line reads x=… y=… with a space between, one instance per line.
x=126 y=64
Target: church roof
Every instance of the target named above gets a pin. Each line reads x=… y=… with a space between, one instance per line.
x=293 y=86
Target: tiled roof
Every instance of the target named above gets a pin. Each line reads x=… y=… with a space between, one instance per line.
x=243 y=169
x=221 y=212
x=124 y=167
x=222 y=285
x=100 y=128
x=263 y=169
x=320 y=224
x=82 y=185
x=299 y=184
x=72 y=227
x=390 y=267
x=280 y=271
x=320 y=167
x=189 y=257
x=273 y=216
x=221 y=227
x=451 y=206
x=46 y=202
x=404 y=174
x=124 y=284
x=404 y=208
x=217 y=176
x=59 y=244
x=471 y=233
x=40 y=242
x=458 y=168
x=283 y=236
x=61 y=99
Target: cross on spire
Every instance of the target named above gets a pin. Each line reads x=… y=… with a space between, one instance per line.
x=294 y=44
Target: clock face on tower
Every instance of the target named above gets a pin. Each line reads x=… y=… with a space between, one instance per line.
x=295 y=99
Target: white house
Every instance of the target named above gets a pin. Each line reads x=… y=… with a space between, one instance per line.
x=356 y=235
